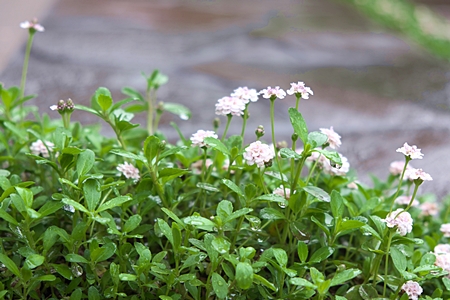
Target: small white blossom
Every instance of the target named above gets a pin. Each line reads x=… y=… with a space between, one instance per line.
x=280 y=192
x=259 y=154
x=33 y=24
x=443 y=261
x=230 y=105
x=396 y=167
x=412 y=289
x=400 y=219
x=39 y=148
x=300 y=88
x=245 y=94
x=54 y=107
x=334 y=139
x=129 y=171
x=445 y=229
x=413 y=174
x=199 y=137
x=404 y=200
x=429 y=209
x=276 y=91
x=412 y=151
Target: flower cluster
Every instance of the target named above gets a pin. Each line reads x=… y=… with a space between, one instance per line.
x=300 y=90
x=198 y=138
x=410 y=151
x=325 y=164
x=64 y=106
x=417 y=174
x=283 y=192
x=334 y=139
x=245 y=94
x=412 y=289
x=41 y=148
x=259 y=154
x=405 y=200
x=429 y=209
x=442 y=254
x=32 y=25
x=129 y=171
x=230 y=105
x=445 y=229
x=400 y=219
x=275 y=92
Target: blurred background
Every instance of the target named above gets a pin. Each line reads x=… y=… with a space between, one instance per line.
x=378 y=68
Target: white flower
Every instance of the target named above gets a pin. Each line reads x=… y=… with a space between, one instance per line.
x=412 y=289
x=276 y=91
x=245 y=94
x=198 y=137
x=258 y=153
x=230 y=105
x=39 y=148
x=400 y=219
x=129 y=171
x=33 y=24
x=54 y=107
x=396 y=167
x=413 y=174
x=404 y=200
x=300 y=88
x=334 y=139
x=445 y=229
x=429 y=209
x=441 y=249
x=280 y=192
x=410 y=151
x=443 y=261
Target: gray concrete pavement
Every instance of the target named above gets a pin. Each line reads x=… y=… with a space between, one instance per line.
x=377 y=90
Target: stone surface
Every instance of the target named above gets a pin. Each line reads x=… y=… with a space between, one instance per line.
x=377 y=90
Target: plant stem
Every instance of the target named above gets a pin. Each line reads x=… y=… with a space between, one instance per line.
x=229 y=117
x=400 y=182
x=244 y=123
x=272 y=124
x=25 y=68
x=386 y=263
x=150 y=110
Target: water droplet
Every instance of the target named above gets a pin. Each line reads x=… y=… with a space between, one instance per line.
x=77 y=270
x=260 y=240
x=69 y=208
x=184 y=117
x=282 y=204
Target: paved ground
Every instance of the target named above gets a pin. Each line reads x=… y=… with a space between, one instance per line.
x=375 y=89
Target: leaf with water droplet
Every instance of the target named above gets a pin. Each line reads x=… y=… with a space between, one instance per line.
x=200 y=223
x=220 y=286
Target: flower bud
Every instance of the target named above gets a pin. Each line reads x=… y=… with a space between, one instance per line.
x=160 y=108
x=216 y=123
x=162 y=145
x=259 y=131
x=69 y=105
x=294 y=137
x=282 y=144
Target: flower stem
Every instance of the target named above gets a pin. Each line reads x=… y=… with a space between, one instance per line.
x=400 y=182
x=229 y=117
x=386 y=263
x=25 y=67
x=244 y=123
x=150 y=110
x=274 y=142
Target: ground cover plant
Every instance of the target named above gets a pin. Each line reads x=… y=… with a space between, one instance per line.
x=134 y=216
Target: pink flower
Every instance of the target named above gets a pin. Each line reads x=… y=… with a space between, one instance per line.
x=129 y=171
x=334 y=139
x=33 y=24
x=300 y=88
x=245 y=94
x=445 y=229
x=352 y=185
x=396 y=167
x=441 y=249
x=413 y=174
x=443 y=261
x=400 y=219
x=199 y=137
x=412 y=289
x=280 y=192
x=341 y=170
x=273 y=92
x=404 y=200
x=259 y=154
x=230 y=105
x=429 y=209
x=41 y=148
x=410 y=151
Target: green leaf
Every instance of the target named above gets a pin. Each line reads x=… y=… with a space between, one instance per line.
x=132 y=93
x=289 y=153
x=232 y=186
x=337 y=204
x=224 y=209
x=333 y=156
x=26 y=195
x=349 y=225
x=200 y=222
x=165 y=229
x=321 y=226
x=49 y=208
x=261 y=280
x=244 y=275
x=321 y=254
x=221 y=245
x=128 y=154
x=317 y=139
x=302 y=250
x=103 y=253
x=63 y=270
x=177 y=109
x=132 y=223
x=92 y=193
x=302 y=282
x=76 y=205
x=171 y=173
x=127 y=277
x=345 y=275
x=317 y=192
x=85 y=162
x=118 y=201
x=7 y=217
x=173 y=216
x=299 y=124
x=272 y=198
x=76 y=258
x=93 y=293
x=105 y=102
x=217 y=145
x=207 y=187
x=176 y=236
x=10 y=265
x=151 y=148
x=46 y=278
x=34 y=260
x=237 y=214
x=398 y=258
x=268 y=213
x=280 y=256
x=220 y=286
x=88 y=109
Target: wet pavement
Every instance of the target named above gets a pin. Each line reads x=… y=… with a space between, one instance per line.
x=377 y=90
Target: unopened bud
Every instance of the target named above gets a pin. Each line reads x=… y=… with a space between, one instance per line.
x=160 y=108
x=69 y=104
x=259 y=131
x=162 y=145
x=282 y=144
x=294 y=137
x=216 y=123
x=61 y=105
